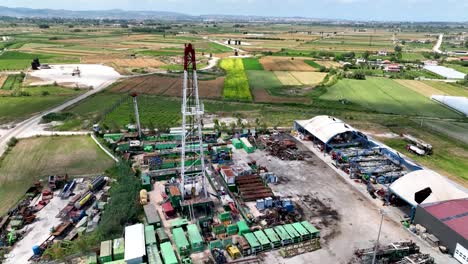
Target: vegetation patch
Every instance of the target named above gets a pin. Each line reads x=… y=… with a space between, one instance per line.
x=35 y=158
x=236 y=85
x=13 y=82
x=386 y=96
x=252 y=64
x=313 y=64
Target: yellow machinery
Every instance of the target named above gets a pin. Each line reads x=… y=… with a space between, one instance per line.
x=233 y=252
x=143 y=197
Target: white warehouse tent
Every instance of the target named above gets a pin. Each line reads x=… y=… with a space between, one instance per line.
x=459 y=103
x=325 y=127
x=442 y=189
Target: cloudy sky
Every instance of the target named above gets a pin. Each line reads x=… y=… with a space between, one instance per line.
x=408 y=10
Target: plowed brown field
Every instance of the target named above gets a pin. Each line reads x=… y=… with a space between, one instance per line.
x=156 y=84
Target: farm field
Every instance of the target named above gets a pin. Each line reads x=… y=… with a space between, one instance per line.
x=428 y=88
x=252 y=64
x=386 y=96
x=328 y=63
x=273 y=63
x=407 y=56
x=262 y=82
x=309 y=78
x=171 y=86
x=456 y=130
x=313 y=64
x=286 y=78
x=236 y=85
x=16 y=108
x=35 y=158
x=14 y=60
x=12 y=82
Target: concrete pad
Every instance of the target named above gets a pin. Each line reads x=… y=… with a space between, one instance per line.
x=93 y=75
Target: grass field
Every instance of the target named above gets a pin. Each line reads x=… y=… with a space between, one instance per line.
x=386 y=96
x=236 y=85
x=252 y=64
x=15 y=60
x=448 y=158
x=15 y=108
x=36 y=158
x=411 y=56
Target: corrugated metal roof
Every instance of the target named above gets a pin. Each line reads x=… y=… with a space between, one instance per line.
x=152 y=214
x=453 y=213
x=134 y=242
x=442 y=190
x=325 y=127
x=168 y=254
x=179 y=238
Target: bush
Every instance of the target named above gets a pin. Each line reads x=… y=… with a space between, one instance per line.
x=12 y=142
x=45 y=93
x=56 y=117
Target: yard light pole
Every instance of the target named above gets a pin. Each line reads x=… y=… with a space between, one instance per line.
x=382 y=213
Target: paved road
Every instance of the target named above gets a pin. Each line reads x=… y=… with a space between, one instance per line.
x=436 y=48
x=31 y=126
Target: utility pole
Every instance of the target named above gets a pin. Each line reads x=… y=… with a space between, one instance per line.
x=382 y=213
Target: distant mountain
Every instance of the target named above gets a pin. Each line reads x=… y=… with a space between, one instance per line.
x=101 y=14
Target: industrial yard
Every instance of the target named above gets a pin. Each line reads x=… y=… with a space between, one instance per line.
x=213 y=140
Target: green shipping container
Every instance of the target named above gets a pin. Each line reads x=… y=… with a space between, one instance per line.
x=106 y=251
x=196 y=240
x=118 y=248
x=162 y=236
x=92 y=258
x=315 y=233
x=167 y=253
x=117 y=262
x=153 y=254
x=243 y=227
x=181 y=242
x=232 y=229
x=236 y=143
x=146 y=182
x=150 y=236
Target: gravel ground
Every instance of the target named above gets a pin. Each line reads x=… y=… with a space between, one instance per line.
x=349 y=221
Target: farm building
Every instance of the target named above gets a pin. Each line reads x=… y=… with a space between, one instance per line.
x=443 y=71
x=464 y=58
x=392 y=68
x=448 y=222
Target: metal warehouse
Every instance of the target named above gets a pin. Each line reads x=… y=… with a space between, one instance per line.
x=413 y=182
x=328 y=130
x=448 y=221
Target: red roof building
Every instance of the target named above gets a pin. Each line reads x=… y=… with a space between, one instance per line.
x=464 y=58
x=447 y=220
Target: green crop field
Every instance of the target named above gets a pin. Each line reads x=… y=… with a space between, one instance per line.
x=386 y=96
x=15 y=60
x=35 y=158
x=252 y=64
x=15 y=108
x=236 y=85
x=407 y=56
x=313 y=64
x=12 y=82
x=263 y=80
